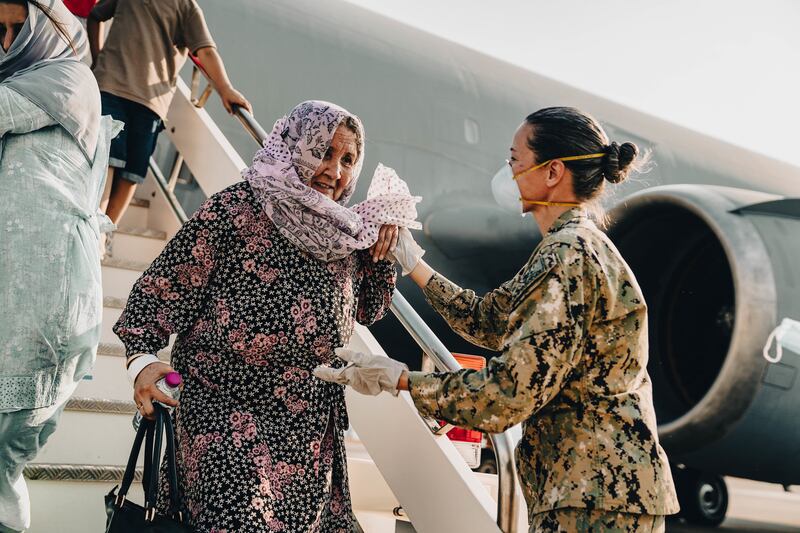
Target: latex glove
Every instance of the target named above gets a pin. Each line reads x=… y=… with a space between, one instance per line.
x=407 y=252
x=366 y=373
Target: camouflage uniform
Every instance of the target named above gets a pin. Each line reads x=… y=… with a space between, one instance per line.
x=572 y=325
x=570 y=520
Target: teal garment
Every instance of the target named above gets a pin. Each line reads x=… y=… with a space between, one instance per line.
x=22 y=435
x=50 y=285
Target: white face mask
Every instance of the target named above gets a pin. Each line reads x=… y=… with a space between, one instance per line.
x=506 y=192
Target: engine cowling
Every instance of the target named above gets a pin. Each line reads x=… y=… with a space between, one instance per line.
x=719 y=267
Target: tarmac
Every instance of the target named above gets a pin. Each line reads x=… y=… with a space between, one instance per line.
x=754 y=507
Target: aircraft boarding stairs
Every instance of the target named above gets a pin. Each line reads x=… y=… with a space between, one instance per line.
x=403 y=476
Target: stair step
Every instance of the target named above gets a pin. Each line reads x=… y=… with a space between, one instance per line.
x=101 y=405
x=368 y=489
x=72 y=506
x=137 y=214
x=110 y=317
x=137 y=244
x=139 y=202
x=107 y=379
x=79 y=489
x=77 y=472
x=381 y=522
x=141 y=232
x=120 y=275
x=111 y=348
x=125 y=264
x=118 y=350
x=112 y=302
x=89 y=437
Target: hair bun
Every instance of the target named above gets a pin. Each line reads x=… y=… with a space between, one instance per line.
x=617 y=161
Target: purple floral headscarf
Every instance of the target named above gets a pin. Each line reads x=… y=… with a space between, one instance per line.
x=282 y=170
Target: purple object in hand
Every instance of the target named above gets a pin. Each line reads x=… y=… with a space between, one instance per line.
x=173 y=379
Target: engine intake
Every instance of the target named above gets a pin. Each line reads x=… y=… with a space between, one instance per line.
x=708 y=281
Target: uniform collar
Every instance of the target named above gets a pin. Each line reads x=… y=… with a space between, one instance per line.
x=574 y=215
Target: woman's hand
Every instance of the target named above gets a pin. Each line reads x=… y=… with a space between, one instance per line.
x=387 y=240
x=407 y=252
x=145 y=391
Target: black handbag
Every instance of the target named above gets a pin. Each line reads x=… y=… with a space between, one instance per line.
x=124 y=516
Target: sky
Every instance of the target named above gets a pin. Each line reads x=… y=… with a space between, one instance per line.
x=730 y=69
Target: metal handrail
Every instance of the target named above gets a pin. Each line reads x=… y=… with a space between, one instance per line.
x=162 y=183
x=250 y=124
x=502 y=443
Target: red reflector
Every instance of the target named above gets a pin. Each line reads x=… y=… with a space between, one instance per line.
x=475 y=362
x=464 y=435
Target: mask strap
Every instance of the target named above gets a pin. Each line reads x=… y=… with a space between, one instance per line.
x=578 y=157
x=778 y=348
x=569 y=158
x=542 y=202
x=540 y=165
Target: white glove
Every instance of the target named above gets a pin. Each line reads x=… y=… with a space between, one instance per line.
x=368 y=374
x=407 y=252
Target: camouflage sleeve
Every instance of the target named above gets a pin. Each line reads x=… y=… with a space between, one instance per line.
x=531 y=371
x=480 y=320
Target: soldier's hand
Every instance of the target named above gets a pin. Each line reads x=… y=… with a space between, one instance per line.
x=366 y=373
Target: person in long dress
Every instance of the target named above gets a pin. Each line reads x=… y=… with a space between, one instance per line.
x=263 y=283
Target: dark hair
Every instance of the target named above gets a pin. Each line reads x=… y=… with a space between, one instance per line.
x=60 y=27
x=566 y=131
x=351 y=123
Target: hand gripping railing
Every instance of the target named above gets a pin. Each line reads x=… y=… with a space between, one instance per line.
x=503 y=443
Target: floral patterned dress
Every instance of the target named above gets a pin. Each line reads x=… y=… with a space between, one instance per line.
x=260 y=440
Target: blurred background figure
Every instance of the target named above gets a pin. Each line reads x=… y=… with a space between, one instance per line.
x=137 y=69
x=80 y=8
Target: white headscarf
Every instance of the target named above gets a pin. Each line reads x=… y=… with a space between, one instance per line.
x=42 y=66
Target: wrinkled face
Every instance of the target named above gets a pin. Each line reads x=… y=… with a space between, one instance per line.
x=336 y=170
x=12 y=17
x=531 y=184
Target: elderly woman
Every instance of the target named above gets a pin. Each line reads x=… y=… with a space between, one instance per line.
x=261 y=285
x=53 y=152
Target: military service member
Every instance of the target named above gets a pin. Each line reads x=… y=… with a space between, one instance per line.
x=572 y=327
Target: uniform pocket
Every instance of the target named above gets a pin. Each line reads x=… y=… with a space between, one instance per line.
x=529 y=278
